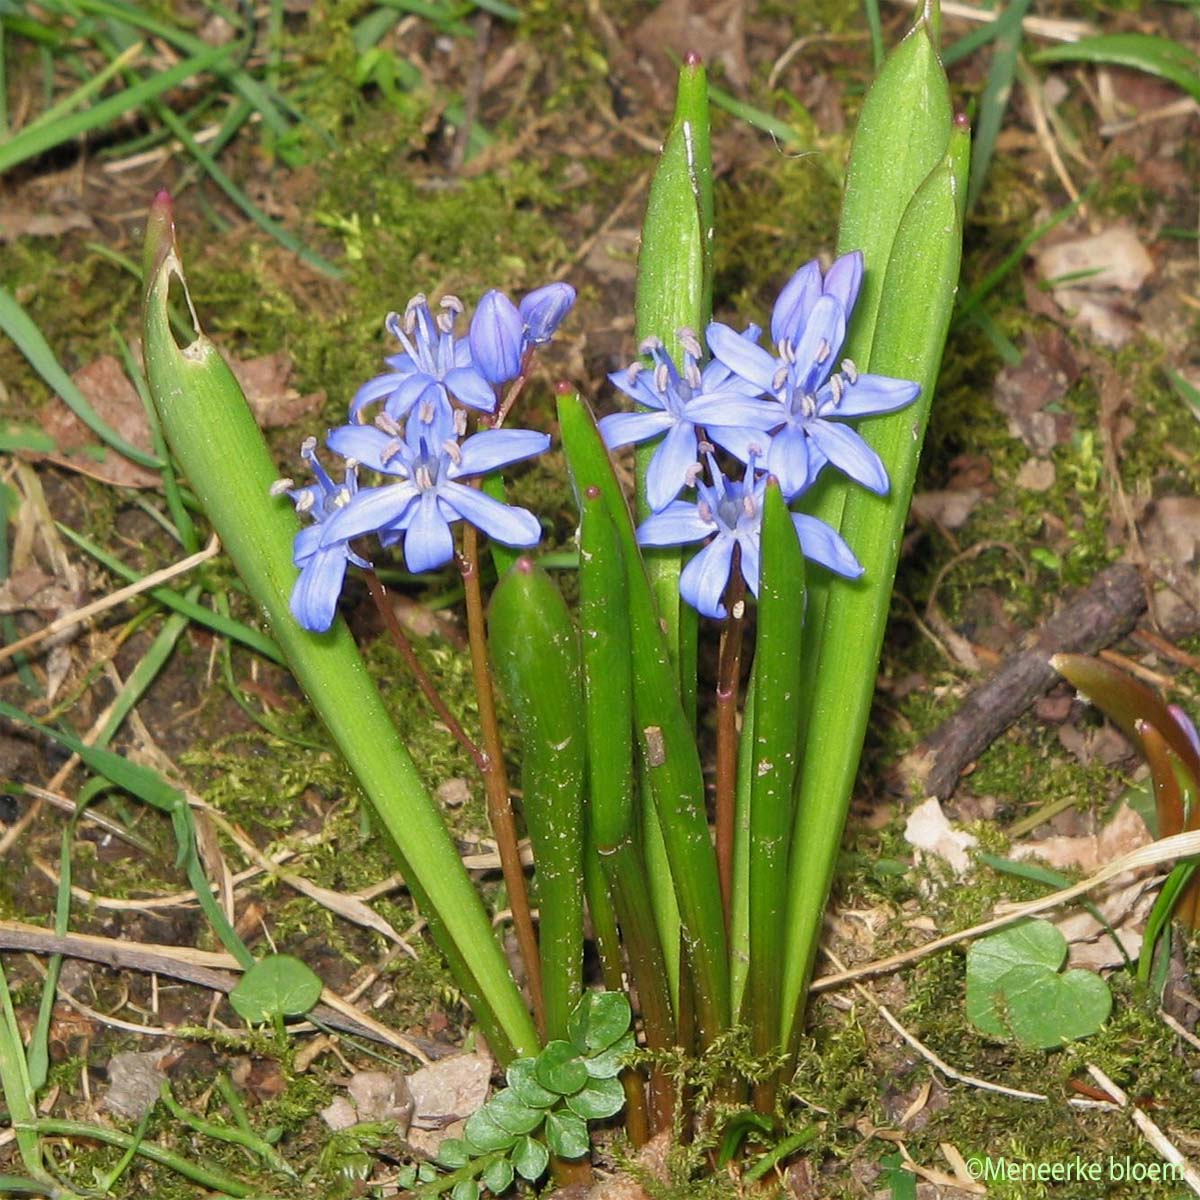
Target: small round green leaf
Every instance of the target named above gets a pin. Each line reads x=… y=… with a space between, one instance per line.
x=465 y=1189
x=530 y=1158
x=406 y=1177
x=508 y=1110
x=498 y=1176
x=483 y=1134
x=598 y=1020
x=601 y=1098
x=567 y=1135
x=608 y=1063
x=520 y=1076
x=560 y=1068
x=453 y=1153
x=279 y=985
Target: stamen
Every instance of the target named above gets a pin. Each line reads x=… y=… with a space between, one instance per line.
x=451 y=447
x=649 y=345
x=460 y=421
x=706 y=448
x=748 y=505
x=808 y=407
x=691 y=374
x=704 y=512
x=341 y=499
x=306 y=501
x=280 y=486
x=308 y=447
x=692 y=474
x=445 y=322
x=423 y=478
x=850 y=371
x=824 y=350
x=836 y=386
x=391 y=450
x=634 y=370
x=453 y=304
x=787 y=350
x=739 y=610
x=389 y=425
x=779 y=378
x=689 y=341
x=661 y=377
x=756 y=451
x=425 y=412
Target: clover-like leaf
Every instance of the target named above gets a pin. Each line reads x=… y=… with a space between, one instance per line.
x=598 y=1020
x=520 y=1076
x=465 y=1189
x=453 y=1153
x=498 y=1176
x=279 y=985
x=1015 y=989
x=608 y=1063
x=601 y=1098
x=530 y=1158
x=567 y=1135
x=510 y=1112
x=484 y=1134
x=560 y=1068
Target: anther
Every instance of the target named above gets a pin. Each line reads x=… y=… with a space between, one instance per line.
x=389 y=425
x=649 y=345
x=824 y=350
x=689 y=341
x=661 y=377
x=850 y=371
x=704 y=512
x=460 y=421
x=306 y=501
x=779 y=378
x=692 y=474
x=451 y=447
x=391 y=450
x=281 y=486
x=308 y=447
x=453 y=304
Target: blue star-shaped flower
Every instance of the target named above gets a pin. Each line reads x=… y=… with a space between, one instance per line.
x=809 y=323
x=502 y=333
x=429 y=497
x=322 y=565
x=733 y=512
x=714 y=398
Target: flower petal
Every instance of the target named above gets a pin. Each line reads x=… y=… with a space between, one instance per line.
x=741 y=356
x=676 y=525
x=428 y=542
x=850 y=454
x=371 y=509
x=376 y=389
x=789 y=460
x=667 y=472
x=623 y=429
x=306 y=544
x=844 y=279
x=496 y=333
x=637 y=385
x=728 y=408
x=504 y=522
x=740 y=441
x=749 y=544
x=544 y=309
x=825 y=546
x=718 y=377
x=492 y=448
x=868 y=396
x=368 y=445
x=703 y=581
x=819 y=344
x=469 y=387
x=315 y=594
x=795 y=303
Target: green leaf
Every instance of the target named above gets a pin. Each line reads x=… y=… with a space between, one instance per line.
x=508 y=1110
x=521 y=1079
x=567 y=1135
x=465 y=1189
x=599 y=1020
x=484 y=1134
x=601 y=1098
x=1147 y=52
x=498 y=1176
x=453 y=1153
x=1014 y=988
x=561 y=1068
x=610 y=1062
x=276 y=986
x=530 y=1158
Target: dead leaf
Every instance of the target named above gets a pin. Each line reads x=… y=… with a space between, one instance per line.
x=22 y=222
x=1115 y=257
x=1025 y=392
x=273 y=401
x=714 y=31
x=1036 y=475
x=928 y=831
x=372 y=1096
x=444 y=1094
x=1125 y=832
x=107 y=389
x=949 y=508
x=134 y=1083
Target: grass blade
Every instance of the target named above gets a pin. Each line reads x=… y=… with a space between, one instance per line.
x=1147 y=52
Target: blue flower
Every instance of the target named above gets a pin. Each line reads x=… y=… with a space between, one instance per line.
x=435 y=365
x=428 y=496
x=733 y=511
x=714 y=398
x=322 y=565
x=502 y=334
x=809 y=323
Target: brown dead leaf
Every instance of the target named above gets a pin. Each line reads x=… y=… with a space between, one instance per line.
x=1125 y=832
x=929 y=832
x=134 y=1082
x=1036 y=475
x=950 y=509
x=1115 y=257
x=372 y=1096
x=108 y=390
x=716 y=32
x=1024 y=392
x=16 y=222
x=274 y=402
x=444 y=1094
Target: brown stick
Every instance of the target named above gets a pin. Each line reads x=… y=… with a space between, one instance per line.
x=1104 y=612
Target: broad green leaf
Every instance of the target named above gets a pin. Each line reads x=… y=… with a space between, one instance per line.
x=277 y=986
x=599 y=1020
x=510 y=1112
x=497 y=1177
x=530 y=1158
x=601 y=1098
x=567 y=1135
x=609 y=1063
x=521 y=1078
x=453 y=1153
x=560 y=1068
x=484 y=1134
x=465 y=1189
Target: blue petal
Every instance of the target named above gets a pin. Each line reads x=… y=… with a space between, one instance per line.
x=375 y=389
x=367 y=444
x=315 y=594
x=420 y=388
x=544 y=309
x=817 y=349
x=667 y=472
x=718 y=377
x=825 y=546
x=307 y=543
x=492 y=448
x=741 y=356
x=677 y=525
x=728 y=408
x=428 y=542
x=869 y=396
x=844 y=279
x=750 y=544
x=505 y=523
x=471 y=388
x=638 y=386
x=795 y=303
x=371 y=509
x=788 y=460
x=703 y=581
x=740 y=441
x=495 y=337
x=623 y=429
x=850 y=454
